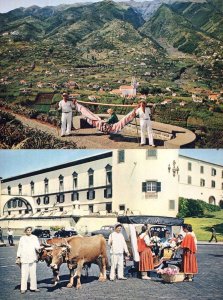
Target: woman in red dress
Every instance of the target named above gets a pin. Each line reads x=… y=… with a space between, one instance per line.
x=145 y=253
x=189 y=253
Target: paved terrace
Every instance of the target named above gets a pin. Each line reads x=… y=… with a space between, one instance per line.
x=206 y=285
x=166 y=136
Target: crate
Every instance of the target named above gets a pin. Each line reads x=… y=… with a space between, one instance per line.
x=173 y=278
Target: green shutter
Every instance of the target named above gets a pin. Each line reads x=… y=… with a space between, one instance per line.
x=143 y=186
x=158 y=186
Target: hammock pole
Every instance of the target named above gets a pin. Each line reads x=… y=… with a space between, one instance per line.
x=107 y=104
x=111 y=104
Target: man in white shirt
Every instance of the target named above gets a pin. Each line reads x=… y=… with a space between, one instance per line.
x=66 y=118
x=117 y=245
x=144 y=114
x=27 y=253
x=10 y=237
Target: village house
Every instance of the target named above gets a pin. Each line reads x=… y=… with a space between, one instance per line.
x=94 y=98
x=39 y=85
x=182 y=103
x=166 y=101
x=213 y=97
x=23 y=82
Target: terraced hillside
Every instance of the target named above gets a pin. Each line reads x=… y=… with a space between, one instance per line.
x=175 y=51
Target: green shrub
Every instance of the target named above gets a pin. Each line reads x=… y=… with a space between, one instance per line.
x=195 y=208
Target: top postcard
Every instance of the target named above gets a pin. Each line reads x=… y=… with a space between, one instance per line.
x=111 y=75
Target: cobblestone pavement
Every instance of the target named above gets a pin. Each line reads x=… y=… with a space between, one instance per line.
x=206 y=285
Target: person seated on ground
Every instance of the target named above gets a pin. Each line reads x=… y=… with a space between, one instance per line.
x=113 y=118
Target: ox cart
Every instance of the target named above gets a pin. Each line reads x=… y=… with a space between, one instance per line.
x=164 y=234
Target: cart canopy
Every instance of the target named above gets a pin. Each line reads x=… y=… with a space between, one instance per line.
x=153 y=220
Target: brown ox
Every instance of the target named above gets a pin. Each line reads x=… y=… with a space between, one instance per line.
x=78 y=252
x=46 y=255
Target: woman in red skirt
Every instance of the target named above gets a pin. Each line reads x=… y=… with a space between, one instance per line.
x=189 y=253
x=145 y=253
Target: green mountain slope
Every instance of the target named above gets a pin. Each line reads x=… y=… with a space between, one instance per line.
x=208 y=17
x=113 y=35
x=67 y=24
x=176 y=29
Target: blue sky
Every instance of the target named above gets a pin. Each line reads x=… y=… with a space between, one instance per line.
x=15 y=162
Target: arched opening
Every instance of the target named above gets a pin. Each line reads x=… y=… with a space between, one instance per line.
x=212 y=200
x=17 y=206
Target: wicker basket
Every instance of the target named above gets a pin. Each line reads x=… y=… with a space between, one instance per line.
x=173 y=278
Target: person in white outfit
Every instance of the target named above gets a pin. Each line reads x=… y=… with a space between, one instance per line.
x=118 y=246
x=144 y=114
x=66 y=118
x=27 y=255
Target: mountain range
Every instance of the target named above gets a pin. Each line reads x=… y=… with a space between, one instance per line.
x=188 y=25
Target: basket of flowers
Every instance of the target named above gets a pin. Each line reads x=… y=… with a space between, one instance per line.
x=171 y=274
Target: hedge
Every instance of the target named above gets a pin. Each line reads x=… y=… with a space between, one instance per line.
x=195 y=208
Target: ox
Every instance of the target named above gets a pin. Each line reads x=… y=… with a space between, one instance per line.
x=79 y=251
x=46 y=255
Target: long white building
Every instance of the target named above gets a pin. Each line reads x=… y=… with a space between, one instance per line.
x=200 y=180
x=117 y=182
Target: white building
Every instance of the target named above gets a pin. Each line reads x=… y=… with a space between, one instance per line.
x=118 y=182
x=200 y=180
x=127 y=91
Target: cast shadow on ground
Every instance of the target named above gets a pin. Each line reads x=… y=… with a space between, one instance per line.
x=87 y=134
x=216 y=255
x=217 y=227
x=64 y=280
x=132 y=139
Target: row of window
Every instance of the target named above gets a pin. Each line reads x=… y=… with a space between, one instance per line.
x=150 y=153
x=60 y=198
x=147 y=186
x=203 y=183
x=213 y=171
x=108 y=170
x=18 y=203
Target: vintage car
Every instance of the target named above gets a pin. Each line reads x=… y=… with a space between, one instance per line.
x=105 y=231
x=158 y=224
x=65 y=233
x=41 y=233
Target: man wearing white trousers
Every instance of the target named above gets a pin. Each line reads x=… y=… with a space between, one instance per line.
x=66 y=118
x=144 y=114
x=27 y=253
x=118 y=246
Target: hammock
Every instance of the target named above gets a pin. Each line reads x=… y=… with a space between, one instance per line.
x=100 y=124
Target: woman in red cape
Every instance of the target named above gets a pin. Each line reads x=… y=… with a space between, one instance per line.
x=145 y=253
x=189 y=258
